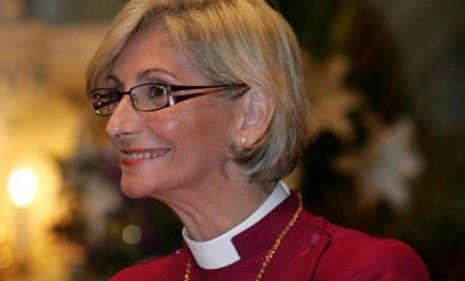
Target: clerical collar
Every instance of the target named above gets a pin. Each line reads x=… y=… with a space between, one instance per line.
x=220 y=251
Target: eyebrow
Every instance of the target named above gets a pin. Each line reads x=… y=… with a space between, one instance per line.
x=147 y=72
x=113 y=77
x=141 y=75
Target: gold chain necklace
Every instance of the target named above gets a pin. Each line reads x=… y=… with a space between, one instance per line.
x=271 y=252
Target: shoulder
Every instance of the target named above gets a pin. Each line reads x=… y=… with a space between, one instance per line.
x=154 y=269
x=353 y=255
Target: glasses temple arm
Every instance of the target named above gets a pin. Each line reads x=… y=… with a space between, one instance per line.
x=180 y=88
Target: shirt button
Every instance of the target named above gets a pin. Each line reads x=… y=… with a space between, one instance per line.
x=314 y=238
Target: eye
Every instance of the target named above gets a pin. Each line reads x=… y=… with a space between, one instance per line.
x=95 y=96
x=156 y=91
x=104 y=95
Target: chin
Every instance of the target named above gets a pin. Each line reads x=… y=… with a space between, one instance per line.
x=136 y=188
x=134 y=191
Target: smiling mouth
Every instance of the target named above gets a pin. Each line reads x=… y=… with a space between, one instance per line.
x=136 y=155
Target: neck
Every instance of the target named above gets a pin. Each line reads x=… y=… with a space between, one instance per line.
x=212 y=209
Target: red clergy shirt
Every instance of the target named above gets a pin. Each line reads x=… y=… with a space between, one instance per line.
x=314 y=249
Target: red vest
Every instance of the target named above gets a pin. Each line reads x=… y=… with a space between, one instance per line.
x=314 y=249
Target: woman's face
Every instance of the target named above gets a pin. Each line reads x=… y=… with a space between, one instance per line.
x=175 y=147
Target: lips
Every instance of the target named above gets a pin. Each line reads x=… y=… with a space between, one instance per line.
x=135 y=156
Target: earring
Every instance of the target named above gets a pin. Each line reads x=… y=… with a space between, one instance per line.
x=243 y=140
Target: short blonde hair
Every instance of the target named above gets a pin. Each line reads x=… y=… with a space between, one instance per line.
x=229 y=41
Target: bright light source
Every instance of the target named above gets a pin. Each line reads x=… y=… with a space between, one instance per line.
x=22 y=186
x=132 y=234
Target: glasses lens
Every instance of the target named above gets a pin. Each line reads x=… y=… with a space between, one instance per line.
x=104 y=101
x=149 y=97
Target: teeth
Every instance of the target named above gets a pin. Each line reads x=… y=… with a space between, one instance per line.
x=143 y=155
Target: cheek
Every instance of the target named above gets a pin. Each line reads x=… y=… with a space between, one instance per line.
x=207 y=127
x=198 y=137
x=196 y=124
x=176 y=129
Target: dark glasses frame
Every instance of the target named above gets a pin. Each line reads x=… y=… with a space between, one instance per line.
x=104 y=98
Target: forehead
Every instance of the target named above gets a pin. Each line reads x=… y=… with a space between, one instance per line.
x=152 y=52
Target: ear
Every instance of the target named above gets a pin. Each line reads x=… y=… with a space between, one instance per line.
x=256 y=110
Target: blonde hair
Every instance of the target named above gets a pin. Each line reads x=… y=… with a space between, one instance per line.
x=229 y=41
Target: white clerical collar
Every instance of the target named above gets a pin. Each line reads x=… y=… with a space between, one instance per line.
x=220 y=251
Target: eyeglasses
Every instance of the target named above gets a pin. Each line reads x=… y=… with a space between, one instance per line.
x=150 y=96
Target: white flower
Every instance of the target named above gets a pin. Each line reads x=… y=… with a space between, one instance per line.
x=392 y=165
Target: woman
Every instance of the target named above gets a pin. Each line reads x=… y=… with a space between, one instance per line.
x=207 y=111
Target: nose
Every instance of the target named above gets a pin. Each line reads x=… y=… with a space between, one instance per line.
x=124 y=121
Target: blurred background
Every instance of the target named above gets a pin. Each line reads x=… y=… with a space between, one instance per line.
x=386 y=154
